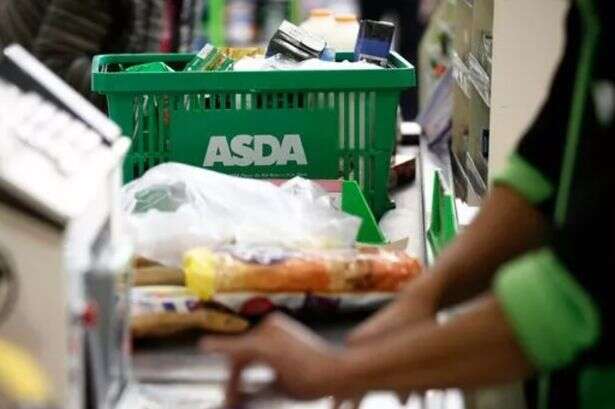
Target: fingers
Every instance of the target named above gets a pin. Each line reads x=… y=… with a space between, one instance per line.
x=240 y=353
x=337 y=403
x=403 y=397
x=233 y=387
x=227 y=345
x=355 y=403
x=343 y=403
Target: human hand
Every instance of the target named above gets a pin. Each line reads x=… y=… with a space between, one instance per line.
x=306 y=366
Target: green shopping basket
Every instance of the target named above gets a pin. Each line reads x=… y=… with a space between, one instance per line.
x=266 y=124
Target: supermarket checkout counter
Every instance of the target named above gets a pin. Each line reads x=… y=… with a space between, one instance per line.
x=178 y=376
x=167 y=375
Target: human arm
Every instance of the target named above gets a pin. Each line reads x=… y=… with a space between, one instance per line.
x=507 y=225
x=71 y=33
x=536 y=317
x=525 y=187
x=474 y=348
x=429 y=355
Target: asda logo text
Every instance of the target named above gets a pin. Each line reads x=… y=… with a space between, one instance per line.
x=258 y=150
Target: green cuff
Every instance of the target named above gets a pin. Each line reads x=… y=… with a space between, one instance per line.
x=552 y=315
x=596 y=388
x=525 y=179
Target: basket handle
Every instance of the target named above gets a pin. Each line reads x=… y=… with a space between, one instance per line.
x=98 y=63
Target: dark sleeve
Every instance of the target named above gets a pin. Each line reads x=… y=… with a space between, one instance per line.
x=534 y=169
x=560 y=300
x=72 y=32
x=20 y=21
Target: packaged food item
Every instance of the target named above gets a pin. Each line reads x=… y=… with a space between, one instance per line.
x=320 y=23
x=344 y=36
x=150 y=67
x=278 y=270
x=374 y=41
x=156 y=274
x=165 y=324
x=403 y=170
x=295 y=43
x=237 y=54
x=174 y=208
x=210 y=58
x=140 y=261
x=164 y=298
x=270 y=13
x=279 y=62
x=328 y=54
x=159 y=311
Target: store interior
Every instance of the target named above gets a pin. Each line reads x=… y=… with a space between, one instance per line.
x=359 y=204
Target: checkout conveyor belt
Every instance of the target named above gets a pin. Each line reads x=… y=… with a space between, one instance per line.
x=177 y=376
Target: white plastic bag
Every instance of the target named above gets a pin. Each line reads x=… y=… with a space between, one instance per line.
x=176 y=207
x=279 y=62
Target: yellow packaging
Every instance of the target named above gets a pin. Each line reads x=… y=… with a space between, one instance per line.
x=200 y=272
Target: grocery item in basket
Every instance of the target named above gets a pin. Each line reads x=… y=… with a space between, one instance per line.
x=150 y=67
x=237 y=53
x=210 y=58
x=257 y=103
x=295 y=43
x=374 y=41
x=277 y=269
x=320 y=22
x=344 y=37
x=279 y=62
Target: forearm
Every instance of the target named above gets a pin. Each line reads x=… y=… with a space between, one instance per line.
x=506 y=227
x=475 y=348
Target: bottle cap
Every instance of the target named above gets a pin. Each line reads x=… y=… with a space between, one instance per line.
x=320 y=12
x=345 y=18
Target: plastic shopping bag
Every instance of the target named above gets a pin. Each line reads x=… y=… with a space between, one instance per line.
x=175 y=207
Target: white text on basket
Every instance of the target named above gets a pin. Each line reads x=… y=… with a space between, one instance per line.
x=258 y=150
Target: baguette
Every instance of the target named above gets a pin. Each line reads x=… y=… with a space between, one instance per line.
x=235 y=269
x=158 y=275
x=164 y=324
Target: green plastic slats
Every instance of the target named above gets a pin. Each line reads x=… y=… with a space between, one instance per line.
x=271 y=124
x=443 y=227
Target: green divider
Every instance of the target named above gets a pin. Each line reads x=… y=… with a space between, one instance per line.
x=353 y=202
x=443 y=227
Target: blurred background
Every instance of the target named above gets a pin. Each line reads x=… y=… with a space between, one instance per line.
x=66 y=34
